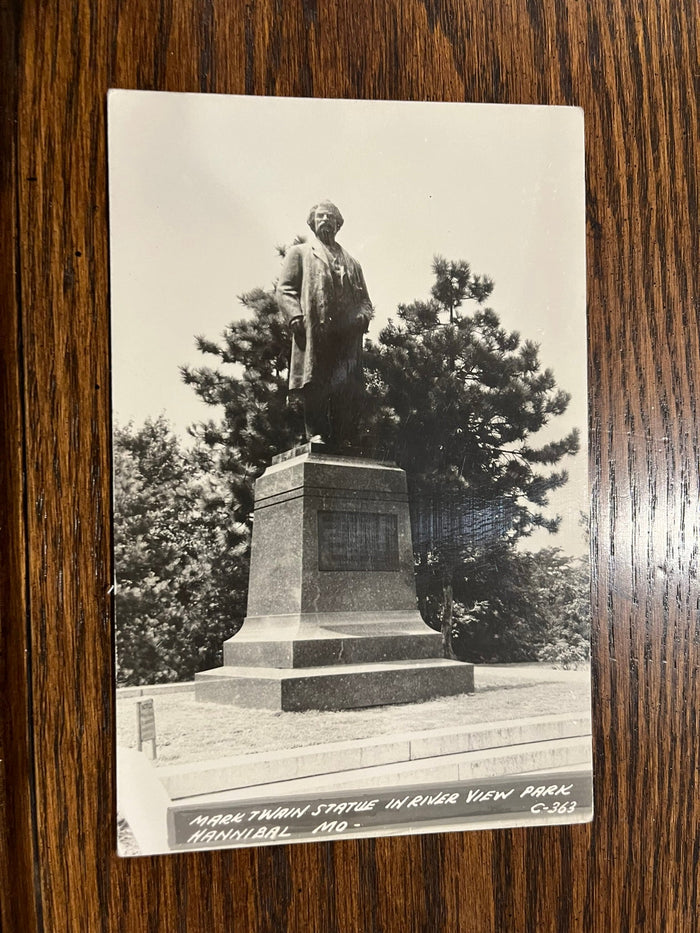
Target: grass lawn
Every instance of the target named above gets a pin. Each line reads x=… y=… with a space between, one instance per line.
x=189 y=731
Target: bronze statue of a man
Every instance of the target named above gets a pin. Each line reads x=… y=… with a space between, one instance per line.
x=322 y=292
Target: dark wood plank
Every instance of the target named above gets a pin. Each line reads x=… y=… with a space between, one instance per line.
x=17 y=839
x=629 y=65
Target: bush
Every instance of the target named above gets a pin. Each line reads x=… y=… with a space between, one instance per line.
x=567 y=655
x=515 y=606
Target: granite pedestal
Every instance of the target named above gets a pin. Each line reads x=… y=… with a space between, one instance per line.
x=332 y=621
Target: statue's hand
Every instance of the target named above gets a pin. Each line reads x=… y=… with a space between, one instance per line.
x=298 y=331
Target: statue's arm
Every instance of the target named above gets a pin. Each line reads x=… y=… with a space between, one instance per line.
x=288 y=291
x=366 y=306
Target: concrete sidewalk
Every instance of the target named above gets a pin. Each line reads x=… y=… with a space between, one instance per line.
x=528 y=672
x=451 y=753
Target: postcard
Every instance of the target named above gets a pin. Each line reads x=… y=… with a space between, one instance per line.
x=349 y=469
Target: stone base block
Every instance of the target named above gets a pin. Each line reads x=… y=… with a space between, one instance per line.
x=347 y=686
x=321 y=639
x=332 y=620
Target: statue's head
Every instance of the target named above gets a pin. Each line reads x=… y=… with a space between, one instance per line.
x=324 y=214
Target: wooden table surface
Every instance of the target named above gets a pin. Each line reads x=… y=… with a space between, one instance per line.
x=631 y=65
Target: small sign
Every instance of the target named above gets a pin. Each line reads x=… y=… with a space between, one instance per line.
x=146 y=725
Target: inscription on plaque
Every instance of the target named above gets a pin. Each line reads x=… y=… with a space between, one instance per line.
x=358 y=541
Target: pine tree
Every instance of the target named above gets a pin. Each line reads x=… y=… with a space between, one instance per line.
x=248 y=388
x=457 y=402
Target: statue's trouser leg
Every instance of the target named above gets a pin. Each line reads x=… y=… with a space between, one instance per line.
x=316 y=414
x=344 y=415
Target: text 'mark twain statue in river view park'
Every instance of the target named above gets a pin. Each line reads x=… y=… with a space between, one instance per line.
x=322 y=293
x=332 y=620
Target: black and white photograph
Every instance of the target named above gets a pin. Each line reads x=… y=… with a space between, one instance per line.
x=350 y=469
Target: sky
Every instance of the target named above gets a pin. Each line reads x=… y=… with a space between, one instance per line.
x=203 y=187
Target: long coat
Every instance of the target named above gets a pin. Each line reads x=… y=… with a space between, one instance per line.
x=329 y=354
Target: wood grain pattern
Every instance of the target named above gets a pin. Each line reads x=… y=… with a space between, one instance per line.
x=629 y=64
x=17 y=834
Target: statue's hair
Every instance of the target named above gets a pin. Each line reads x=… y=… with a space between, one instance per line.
x=329 y=204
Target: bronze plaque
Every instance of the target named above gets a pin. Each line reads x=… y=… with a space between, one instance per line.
x=358 y=541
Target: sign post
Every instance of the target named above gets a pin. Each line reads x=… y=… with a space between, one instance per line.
x=146 y=725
